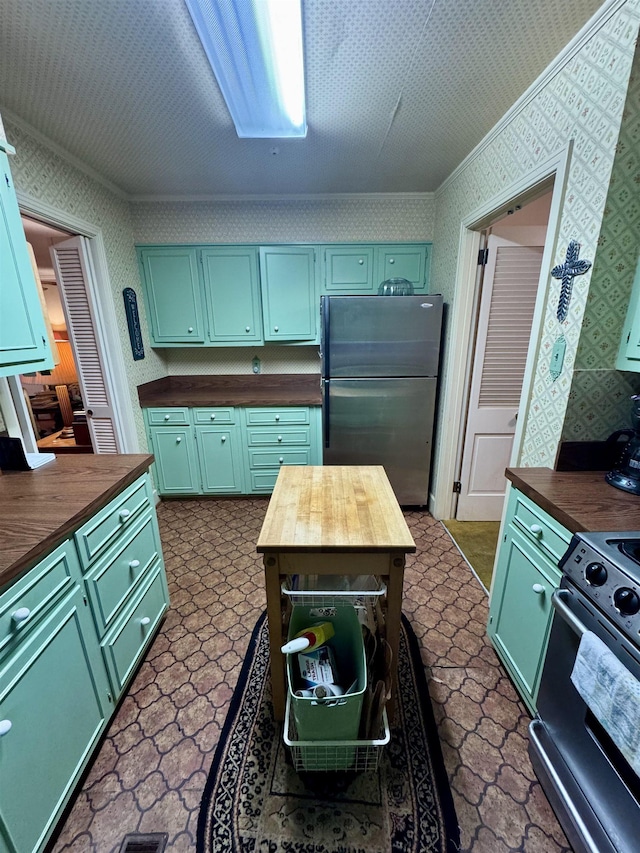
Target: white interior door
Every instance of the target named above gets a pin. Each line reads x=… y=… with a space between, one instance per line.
x=507 y=304
x=73 y=270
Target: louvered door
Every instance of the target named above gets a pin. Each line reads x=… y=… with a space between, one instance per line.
x=507 y=304
x=73 y=266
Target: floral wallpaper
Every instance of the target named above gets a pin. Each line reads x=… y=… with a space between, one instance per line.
x=583 y=101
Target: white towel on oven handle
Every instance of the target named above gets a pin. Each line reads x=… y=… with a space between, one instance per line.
x=611 y=692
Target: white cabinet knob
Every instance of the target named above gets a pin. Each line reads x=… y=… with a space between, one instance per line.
x=145 y=621
x=124 y=514
x=536 y=529
x=213 y=417
x=538 y=589
x=279 y=438
x=277 y=417
x=223 y=438
x=281 y=460
x=178 y=439
x=360 y=261
x=167 y=417
x=190 y=329
x=276 y=329
x=247 y=328
x=391 y=261
x=133 y=564
x=21 y=614
x=5 y=726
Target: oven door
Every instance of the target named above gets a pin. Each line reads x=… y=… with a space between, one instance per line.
x=590 y=785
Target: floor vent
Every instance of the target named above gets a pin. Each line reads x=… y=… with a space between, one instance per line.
x=144 y=842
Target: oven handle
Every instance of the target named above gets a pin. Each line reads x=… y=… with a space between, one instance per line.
x=558 y=599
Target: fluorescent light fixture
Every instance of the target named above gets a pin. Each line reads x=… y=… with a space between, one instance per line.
x=255 y=50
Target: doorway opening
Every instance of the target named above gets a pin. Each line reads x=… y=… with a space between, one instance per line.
x=507 y=287
x=53 y=398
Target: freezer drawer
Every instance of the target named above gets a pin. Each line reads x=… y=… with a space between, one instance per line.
x=386 y=422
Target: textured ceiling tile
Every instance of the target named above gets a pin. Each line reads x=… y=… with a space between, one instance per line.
x=398 y=93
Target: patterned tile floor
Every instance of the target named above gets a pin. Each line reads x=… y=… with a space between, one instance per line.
x=150 y=771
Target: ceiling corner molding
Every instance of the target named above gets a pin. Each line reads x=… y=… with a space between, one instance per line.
x=61 y=152
x=281 y=199
x=607 y=10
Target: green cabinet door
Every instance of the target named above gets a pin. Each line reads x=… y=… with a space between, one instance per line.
x=232 y=294
x=173 y=294
x=176 y=462
x=24 y=347
x=220 y=459
x=52 y=715
x=348 y=269
x=404 y=261
x=289 y=295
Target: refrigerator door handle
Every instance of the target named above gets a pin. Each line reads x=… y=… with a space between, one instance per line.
x=324 y=340
x=325 y=412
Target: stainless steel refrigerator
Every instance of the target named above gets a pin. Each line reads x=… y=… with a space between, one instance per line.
x=380 y=359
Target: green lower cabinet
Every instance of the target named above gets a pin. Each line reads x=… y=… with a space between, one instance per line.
x=54 y=699
x=176 y=460
x=220 y=459
x=520 y=609
x=231 y=450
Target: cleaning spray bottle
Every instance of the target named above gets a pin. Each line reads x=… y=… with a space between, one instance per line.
x=309 y=639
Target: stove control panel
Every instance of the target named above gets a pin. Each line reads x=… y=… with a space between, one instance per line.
x=603 y=567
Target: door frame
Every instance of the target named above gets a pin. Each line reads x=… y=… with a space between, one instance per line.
x=461 y=333
x=106 y=324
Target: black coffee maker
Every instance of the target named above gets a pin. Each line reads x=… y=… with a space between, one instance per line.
x=626 y=474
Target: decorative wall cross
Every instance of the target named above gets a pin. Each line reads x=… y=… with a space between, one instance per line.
x=567 y=272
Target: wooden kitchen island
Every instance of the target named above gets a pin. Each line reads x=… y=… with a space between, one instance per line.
x=332 y=520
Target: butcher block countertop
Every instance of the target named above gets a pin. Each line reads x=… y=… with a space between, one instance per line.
x=334 y=508
x=40 y=509
x=579 y=500
x=270 y=389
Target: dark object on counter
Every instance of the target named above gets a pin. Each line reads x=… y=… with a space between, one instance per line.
x=626 y=473
x=12 y=456
x=592 y=455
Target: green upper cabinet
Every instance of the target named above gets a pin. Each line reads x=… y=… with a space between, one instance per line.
x=348 y=269
x=629 y=352
x=404 y=261
x=232 y=294
x=173 y=291
x=289 y=293
x=24 y=347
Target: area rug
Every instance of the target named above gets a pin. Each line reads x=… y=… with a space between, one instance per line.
x=255 y=802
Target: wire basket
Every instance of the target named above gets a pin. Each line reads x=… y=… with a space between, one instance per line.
x=352 y=755
x=332 y=597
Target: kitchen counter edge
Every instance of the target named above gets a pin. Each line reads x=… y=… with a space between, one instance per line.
x=272 y=389
x=40 y=509
x=579 y=500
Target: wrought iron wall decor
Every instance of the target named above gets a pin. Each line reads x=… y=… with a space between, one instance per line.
x=133 y=322
x=566 y=272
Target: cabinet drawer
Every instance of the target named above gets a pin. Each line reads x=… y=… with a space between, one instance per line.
x=263 y=481
x=110 y=522
x=267 y=417
x=543 y=531
x=113 y=577
x=171 y=417
x=277 y=457
x=287 y=437
x=36 y=591
x=123 y=646
x=214 y=416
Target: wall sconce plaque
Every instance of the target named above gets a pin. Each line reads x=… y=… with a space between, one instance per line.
x=133 y=322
